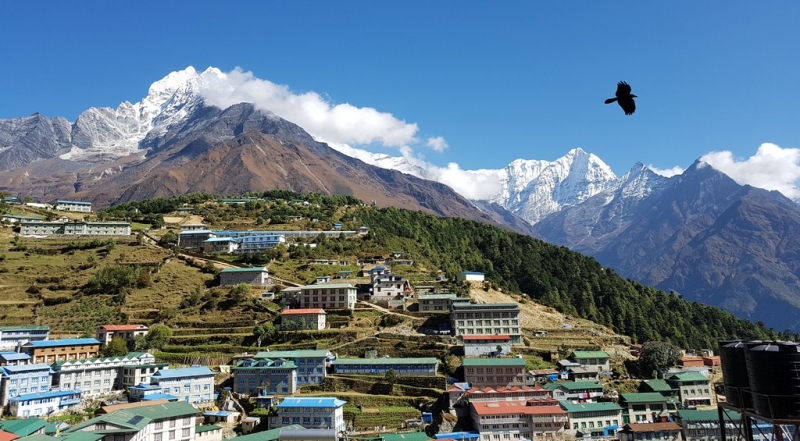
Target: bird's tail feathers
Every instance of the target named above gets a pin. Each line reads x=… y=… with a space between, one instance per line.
x=610 y=100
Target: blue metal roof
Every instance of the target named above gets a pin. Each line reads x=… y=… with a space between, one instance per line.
x=62 y=342
x=220 y=239
x=153 y=397
x=316 y=402
x=50 y=394
x=472 y=272
x=184 y=372
x=187 y=232
x=219 y=413
x=27 y=368
x=145 y=386
x=14 y=356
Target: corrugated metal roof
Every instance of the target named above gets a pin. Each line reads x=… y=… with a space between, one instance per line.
x=62 y=342
x=468 y=362
x=184 y=372
x=314 y=402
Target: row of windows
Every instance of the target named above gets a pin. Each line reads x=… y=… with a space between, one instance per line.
x=306 y=420
x=591 y=425
x=33 y=380
x=477 y=315
x=479 y=331
x=507 y=370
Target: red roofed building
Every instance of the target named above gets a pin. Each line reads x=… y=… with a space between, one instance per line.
x=305 y=318
x=518 y=420
x=535 y=394
x=478 y=345
x=127 y=332
x=8 y=436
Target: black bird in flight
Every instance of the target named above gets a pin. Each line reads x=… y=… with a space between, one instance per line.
x=624 y=98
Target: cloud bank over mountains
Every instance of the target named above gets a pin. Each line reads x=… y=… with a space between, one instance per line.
x=772 y=167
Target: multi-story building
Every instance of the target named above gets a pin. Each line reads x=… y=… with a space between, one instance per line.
x=193 y=385
x=75 y=228
x=439 y=302
x=42 y=403
x=666 y=431
x=82 y=206
x=487 y=319
x=311 y=413
x=640 y=407
x=483 y=345
x=256 y=276
x=100 y=375
x=593 y=419
x=11 y=358
x=193 y=239
x=494 y=372
x=126 y=332
x=423 y=366
x=518 y=420
x=23 y=380
x=701 y=425
x=311 y=364
x=390 y=290
x=227 y=245
x=576 y=390
x=693 y=388
x=51 y=351
x=259 y=243
x=328 y=296
x=459 y=395
x=309 y=318
x=270 y=376
x=174 y=421
x=13 y=336
x=597 y=360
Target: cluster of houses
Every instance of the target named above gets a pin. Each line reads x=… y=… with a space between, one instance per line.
x=198 y=237
x=36 y=226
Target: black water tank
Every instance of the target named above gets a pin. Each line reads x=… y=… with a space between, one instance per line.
x=774 y=373
x=734 y=372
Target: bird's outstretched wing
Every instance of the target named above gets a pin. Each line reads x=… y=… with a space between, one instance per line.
x=623 y=89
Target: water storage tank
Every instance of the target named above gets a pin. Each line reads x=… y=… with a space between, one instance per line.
x=774 y=373
x=734 y=373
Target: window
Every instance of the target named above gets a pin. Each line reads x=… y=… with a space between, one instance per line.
x=185 y=433
x=159 y=425
x=171 y=434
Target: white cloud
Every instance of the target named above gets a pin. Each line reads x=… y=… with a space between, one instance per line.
x=771 y=168
x=438 y=143
x=343 y=123
x=666 y=172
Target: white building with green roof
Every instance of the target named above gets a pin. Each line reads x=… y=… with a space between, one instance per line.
x=694 y=388
x=255 y=276
x=11 y=336
x=594 y=419
x=597 y=360
x=575 y=390
x=172 y=421
x=328 y=296
x=640 y=407
x=494 y=372
x=265 y=376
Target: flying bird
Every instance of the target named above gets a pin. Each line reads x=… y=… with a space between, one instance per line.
x=624 y=98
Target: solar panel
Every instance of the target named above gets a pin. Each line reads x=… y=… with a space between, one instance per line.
x=135 y=419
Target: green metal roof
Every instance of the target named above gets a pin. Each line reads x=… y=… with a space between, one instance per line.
x=24 y=427
x=659 y=386
x=411 y=436
x=244 y=270
x=82 y=436
x=125 y=420
x=300 y=353
x=706 y=415
x=469 y=362
x=578 y=355
x=644 y=397
x=268 y=435
x=359 y=361
x=589 y=407
x=579 y=385
x=206 y=428
x=24 y=328
x=687 y=376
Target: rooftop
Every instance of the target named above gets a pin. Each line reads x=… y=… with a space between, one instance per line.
x=590 y=407
x=469 y=362
x=183 y=372
x=123 y=328
x=300 y=311
x=644 y=397
x=62 y=342
x=259 y=269
x=312 y=402
x=578 y=355
x=383 y=361
x=515 y=407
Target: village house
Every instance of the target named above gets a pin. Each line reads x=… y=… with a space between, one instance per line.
x=11 y=358
x=438 y=303
x=225 y=245
x=518 y=420
x=309 y=318
x=193 y=239
x=694 y=389
x=174 y=421
x=328 y=296
x=470 y=276
x=23 y=379
x=194 y=385
x=486 y=345
x=593 y=419
x=311 y=413
x=23 y=428
x=700 y=425
x=666 y=431
x=580 y=373
x=423 y=366
x=487 y=319
x=106 y=333
x=269 y=376
x=459 y=395
x=643 y=407
x=389 y=290
x=596 y=360
x=586 y=391
x=311 y=364
x=208 y=432
x=494 y=372
x=256 y=276
x=662 y=387
x=51 y=351
x=13 y=336
x=100 y=375
x=42 y=403
x=68 y=227
x=81 y=206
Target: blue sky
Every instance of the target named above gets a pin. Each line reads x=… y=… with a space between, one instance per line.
x=491 y=81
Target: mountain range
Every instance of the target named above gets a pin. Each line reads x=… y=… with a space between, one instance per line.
x=699 y=234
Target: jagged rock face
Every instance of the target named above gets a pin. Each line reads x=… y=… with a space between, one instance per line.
x=25 y=140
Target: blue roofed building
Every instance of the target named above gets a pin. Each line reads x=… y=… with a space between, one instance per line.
x=311 y=413
x=11 y=358
x=51 y=351
x=43 y=403
x=23 y=379
x=193 y=385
